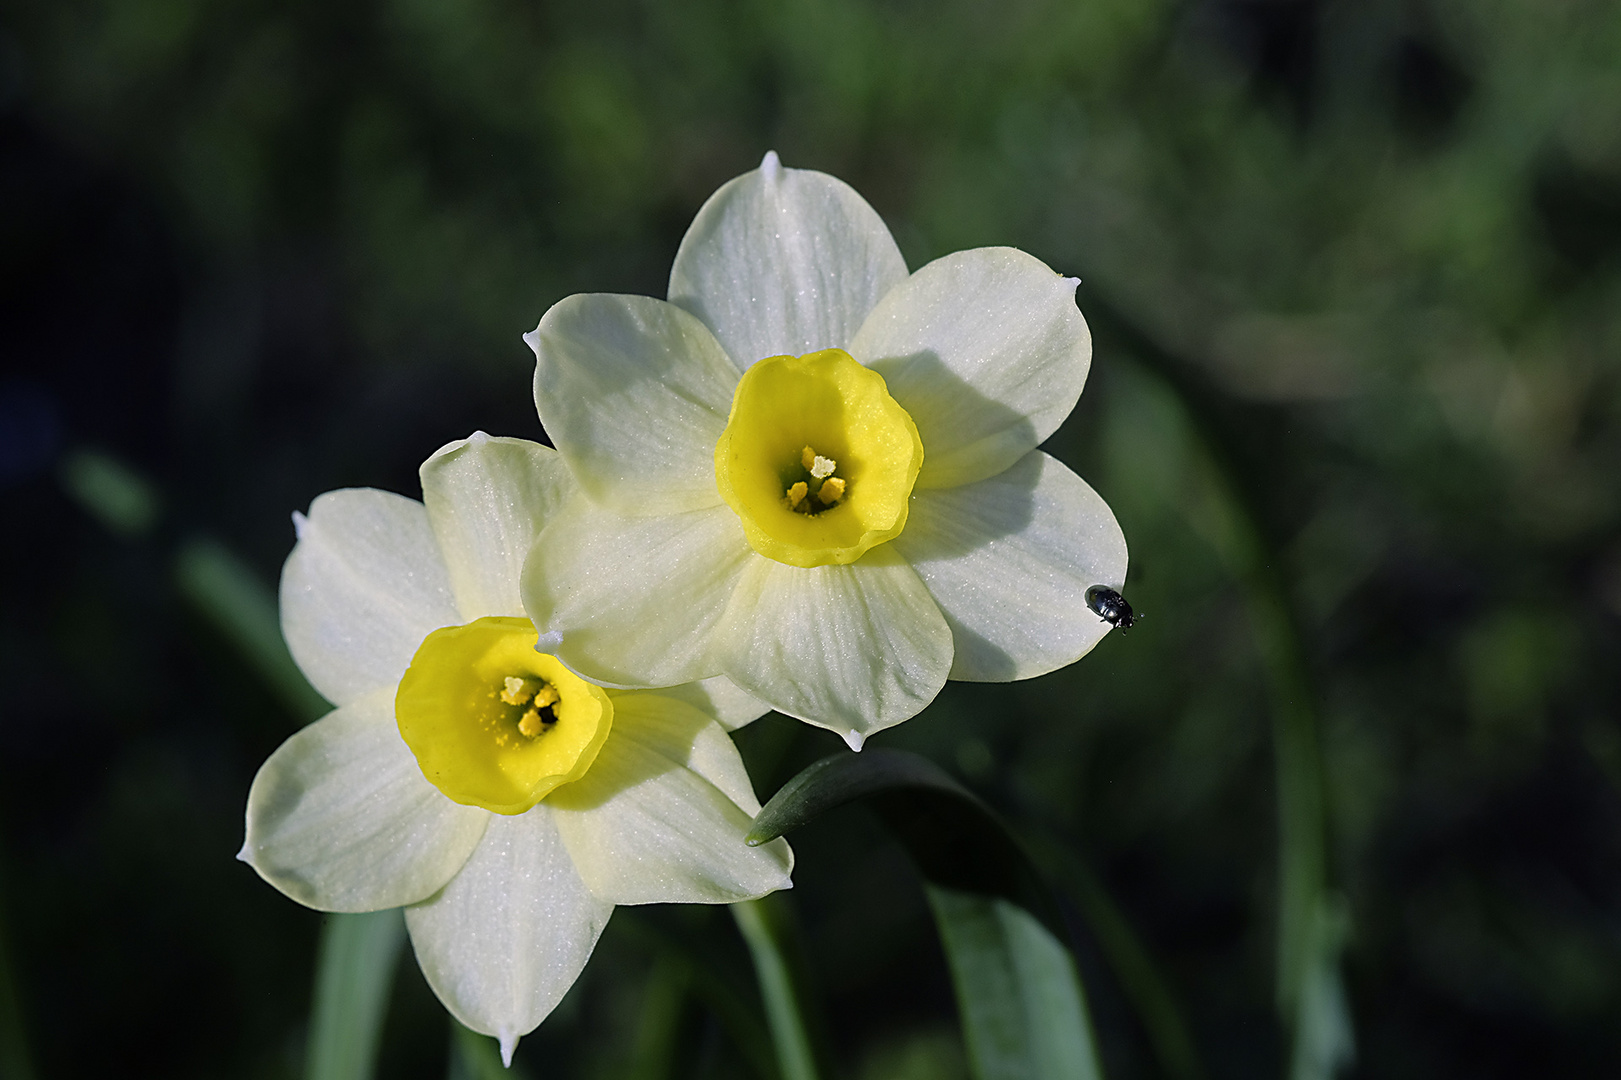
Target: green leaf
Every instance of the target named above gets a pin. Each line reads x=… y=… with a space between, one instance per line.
x=843 y=778
x=1023 y=1011
x=354 y=974
x=1022 y=1008
x=954 y=838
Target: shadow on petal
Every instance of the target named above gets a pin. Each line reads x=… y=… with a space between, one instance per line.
x=966 y=435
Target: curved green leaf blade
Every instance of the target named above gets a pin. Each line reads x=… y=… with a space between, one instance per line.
x=1022 y=1007
x=844 y=778
x=953 y=837
x=1023 y=1011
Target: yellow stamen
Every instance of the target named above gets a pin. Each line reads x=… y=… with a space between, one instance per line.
x=796 y=494
x=515 y=691
x=832 y=491
x=532 y=724
x=546 y=695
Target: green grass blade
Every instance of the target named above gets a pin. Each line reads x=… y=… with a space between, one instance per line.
x=353 y=979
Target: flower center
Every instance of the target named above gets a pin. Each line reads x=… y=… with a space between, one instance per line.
x=492 y=722
x=828 y=488
x=817 y=460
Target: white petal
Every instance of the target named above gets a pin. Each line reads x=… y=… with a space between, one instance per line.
x=721 y=698
x=364 y=585
x=988 y=353
x=1009 y=560
x=635 y=393
x=662 y=814
x=487 y=500
x=503 y=942
x=671 y=725
x=631 y=601
x=341 y=818
x=852 y=648
x=784 y=262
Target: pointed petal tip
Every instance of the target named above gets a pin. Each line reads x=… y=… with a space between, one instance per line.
x=854 y=740
x=509 y=1043
x=771 y=165
x=478 y=438
x=549 y=641
x=532 y=339
x=300 y=524
x=1069 y=284
x=243 y=855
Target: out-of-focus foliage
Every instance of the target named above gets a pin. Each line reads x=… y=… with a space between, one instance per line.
x=258 y=250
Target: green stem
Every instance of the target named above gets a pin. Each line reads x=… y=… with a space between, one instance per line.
x=763 y=926
x=354 y=975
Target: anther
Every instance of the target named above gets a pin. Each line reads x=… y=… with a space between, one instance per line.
x=515 y=691
x=796 y=494
x=832 y=491
x=818 y=466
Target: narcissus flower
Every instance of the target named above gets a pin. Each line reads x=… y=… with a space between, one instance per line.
x=505 y=802
x=815 y=473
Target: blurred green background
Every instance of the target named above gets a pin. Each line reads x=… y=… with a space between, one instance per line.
x=1354 y=271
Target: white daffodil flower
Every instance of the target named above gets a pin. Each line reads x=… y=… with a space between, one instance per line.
x=507 y=804
x=815 y=473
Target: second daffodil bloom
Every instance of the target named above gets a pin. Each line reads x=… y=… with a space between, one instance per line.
x=815 y=473
x=507 y=804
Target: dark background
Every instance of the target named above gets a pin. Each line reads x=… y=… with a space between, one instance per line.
x=1355 y=275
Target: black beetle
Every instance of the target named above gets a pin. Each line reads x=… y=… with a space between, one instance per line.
x=1110 y=606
